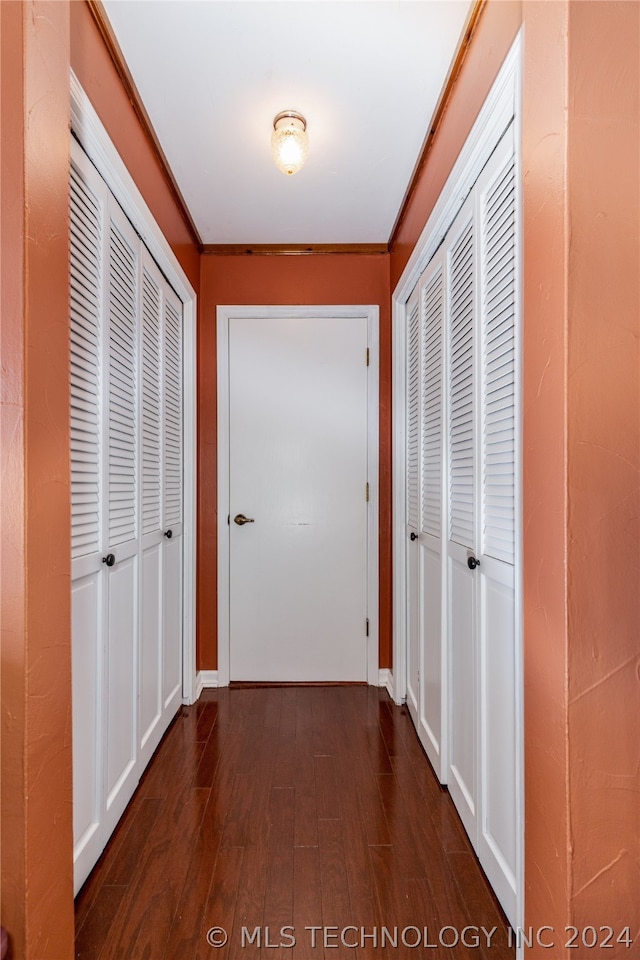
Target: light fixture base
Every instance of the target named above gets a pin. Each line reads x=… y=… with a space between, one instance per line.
x=289 y=115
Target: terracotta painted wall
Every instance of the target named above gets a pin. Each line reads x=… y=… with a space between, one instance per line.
x=37 y=887
x=604 y=463
x=581 y=434
x=340 y=278
x=545 y=228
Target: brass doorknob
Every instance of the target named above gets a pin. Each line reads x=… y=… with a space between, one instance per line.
x=240 y=519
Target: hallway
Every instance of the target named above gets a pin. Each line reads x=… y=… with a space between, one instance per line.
x=291 y=807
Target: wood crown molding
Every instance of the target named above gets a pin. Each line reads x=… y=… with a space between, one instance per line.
x=438 y=114
x=117 y=57
x=292 y=249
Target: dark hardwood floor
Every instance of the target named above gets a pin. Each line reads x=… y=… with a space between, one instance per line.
x=289 y=807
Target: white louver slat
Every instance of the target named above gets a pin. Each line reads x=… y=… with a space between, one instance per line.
x=172 y=410
x=413 y=415
x=432 y=324
x=123 y=474
x=461 y=391
x=86 y=386
x=498 y=219
x=151 y=405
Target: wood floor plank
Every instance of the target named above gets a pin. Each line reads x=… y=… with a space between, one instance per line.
x=220 y=910
x=92 y=933
x=337 y=912
x=307 y=898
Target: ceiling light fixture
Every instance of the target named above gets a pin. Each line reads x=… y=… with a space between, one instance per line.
x=289 y=141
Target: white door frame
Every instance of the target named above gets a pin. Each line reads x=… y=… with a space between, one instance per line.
x=502 y=107
x=224 y=314
x=96 y=143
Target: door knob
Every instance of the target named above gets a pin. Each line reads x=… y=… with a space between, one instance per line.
x=472 y=563
x=413 y=536
x=240 y=519
x=110 y=559
x=168 y=534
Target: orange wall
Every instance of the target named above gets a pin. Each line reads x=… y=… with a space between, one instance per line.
x=320 y=279
x=37 y=885
x=581 y=432
x=545 y=227
x=604 y=462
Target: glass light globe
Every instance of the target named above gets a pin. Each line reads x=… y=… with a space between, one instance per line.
x=289 y=142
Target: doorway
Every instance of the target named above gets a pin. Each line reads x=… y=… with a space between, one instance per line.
x=297 y=422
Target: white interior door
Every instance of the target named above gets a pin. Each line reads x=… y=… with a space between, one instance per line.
x=160 y=660
x=88 y=628
x=498 y=830
x=461 y=521
x=123 y=529
x=150 y=661
x=413 y=506
x=431 y=722
x=298 y=473
x=172 y=505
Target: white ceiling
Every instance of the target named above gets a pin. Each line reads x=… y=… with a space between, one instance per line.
x=366 y=74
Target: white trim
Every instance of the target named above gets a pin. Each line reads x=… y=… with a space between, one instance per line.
x=224 y=314
x=502 y=106
x=385 y=679
x=96 y=143
x=205 y=680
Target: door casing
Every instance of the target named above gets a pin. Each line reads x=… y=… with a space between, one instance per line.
x=224 y=314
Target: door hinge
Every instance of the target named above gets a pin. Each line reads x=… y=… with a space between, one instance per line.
x=367 y=356
x=367 y=626
x=367 y=494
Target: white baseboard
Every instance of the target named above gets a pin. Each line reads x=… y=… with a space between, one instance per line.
x=385 y=679
x=205 y=679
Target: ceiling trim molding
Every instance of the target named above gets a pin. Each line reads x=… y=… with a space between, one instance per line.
x=441 y=106
x=292 y=249
x=117 y=57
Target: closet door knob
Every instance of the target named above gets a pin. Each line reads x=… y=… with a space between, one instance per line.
x=168 y=534
x=110 y=559
x=413 y=536
x=472 y=563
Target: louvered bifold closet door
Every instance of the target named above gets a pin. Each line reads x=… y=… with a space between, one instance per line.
x=412 y=529
x=123 y=307
x=127 y=531
x=413 y=413
x=498 y=828
x=461 y=520
x=88 y=251
x=172 y=501
x=151 y=582
x=432 y=445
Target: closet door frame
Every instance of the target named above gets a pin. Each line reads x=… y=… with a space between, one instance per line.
x=88 y=129
x=501 y=108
